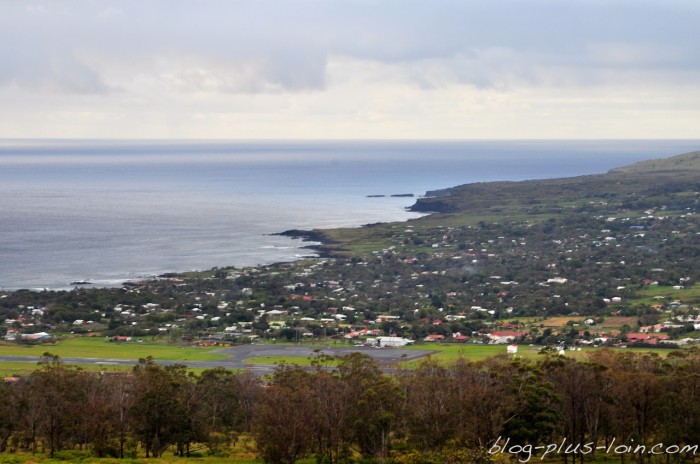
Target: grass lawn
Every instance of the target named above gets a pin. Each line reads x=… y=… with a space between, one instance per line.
x=689 y=294
x=97 y=347
x=8 y=369
x=451 y=352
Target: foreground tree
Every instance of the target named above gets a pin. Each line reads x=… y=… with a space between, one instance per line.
x=283 y=417
x=158 y=416
x=377 y=402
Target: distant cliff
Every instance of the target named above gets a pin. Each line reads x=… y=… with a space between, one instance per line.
x=677 y=173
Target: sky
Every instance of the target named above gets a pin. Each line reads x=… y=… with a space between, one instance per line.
x=360 y=69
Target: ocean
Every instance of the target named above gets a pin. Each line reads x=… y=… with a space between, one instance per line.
x=109 y=211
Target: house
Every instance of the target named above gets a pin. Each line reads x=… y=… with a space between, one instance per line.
x=434 y=338
x=651 y=339
x=651 y=328
x=359 y=333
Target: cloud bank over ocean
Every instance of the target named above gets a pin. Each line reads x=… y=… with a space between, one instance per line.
x=345 y=69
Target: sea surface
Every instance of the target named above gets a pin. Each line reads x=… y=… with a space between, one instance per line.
x=110 y=211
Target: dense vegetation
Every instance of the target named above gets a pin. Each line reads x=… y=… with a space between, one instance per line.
x=356 y=413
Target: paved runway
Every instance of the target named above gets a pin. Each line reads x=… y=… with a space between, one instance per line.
x=387 y=357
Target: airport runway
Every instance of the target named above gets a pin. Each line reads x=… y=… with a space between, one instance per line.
x=387 y=357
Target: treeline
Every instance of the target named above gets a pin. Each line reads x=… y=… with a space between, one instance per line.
x=346 y=409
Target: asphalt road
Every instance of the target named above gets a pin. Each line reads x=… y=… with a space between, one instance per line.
x=387 y=357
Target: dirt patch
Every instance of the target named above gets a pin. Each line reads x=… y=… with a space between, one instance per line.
x=618 y=322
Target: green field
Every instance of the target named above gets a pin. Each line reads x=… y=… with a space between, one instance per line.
x=9 y=369
x=94 y=347
x=298 y=360
x=689 y=294
x=451 y=352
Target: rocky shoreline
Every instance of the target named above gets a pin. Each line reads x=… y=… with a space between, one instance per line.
x=322 y=241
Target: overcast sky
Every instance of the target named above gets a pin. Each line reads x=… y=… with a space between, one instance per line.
x=361 y=69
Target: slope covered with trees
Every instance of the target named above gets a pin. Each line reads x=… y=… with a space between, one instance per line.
x=461 y=413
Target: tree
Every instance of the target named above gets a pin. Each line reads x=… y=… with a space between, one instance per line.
x=221 y=413
x=10 y=412
x=282 y=419
x=159 y=417
x=484 y=403
x=331 y=419
x=430 y=414
x=377 y=401
x=534 y=416
x=120 y=396
x=54 y=396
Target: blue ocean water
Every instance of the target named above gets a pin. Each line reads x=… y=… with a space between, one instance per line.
x=107 y=211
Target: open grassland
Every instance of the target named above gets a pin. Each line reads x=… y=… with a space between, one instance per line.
x=94 y=347
x=684 y=295
x=451 y=352
x=9 y=369
x=21 y=369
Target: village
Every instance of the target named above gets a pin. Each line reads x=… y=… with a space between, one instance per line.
x=572 y=280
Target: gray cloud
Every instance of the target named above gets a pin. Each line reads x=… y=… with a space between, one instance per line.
x=267 y=46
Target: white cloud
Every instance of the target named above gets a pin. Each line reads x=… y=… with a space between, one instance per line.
x=371 y=68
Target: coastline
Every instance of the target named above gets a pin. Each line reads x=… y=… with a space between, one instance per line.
x=321 y=241
x=327 y=229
